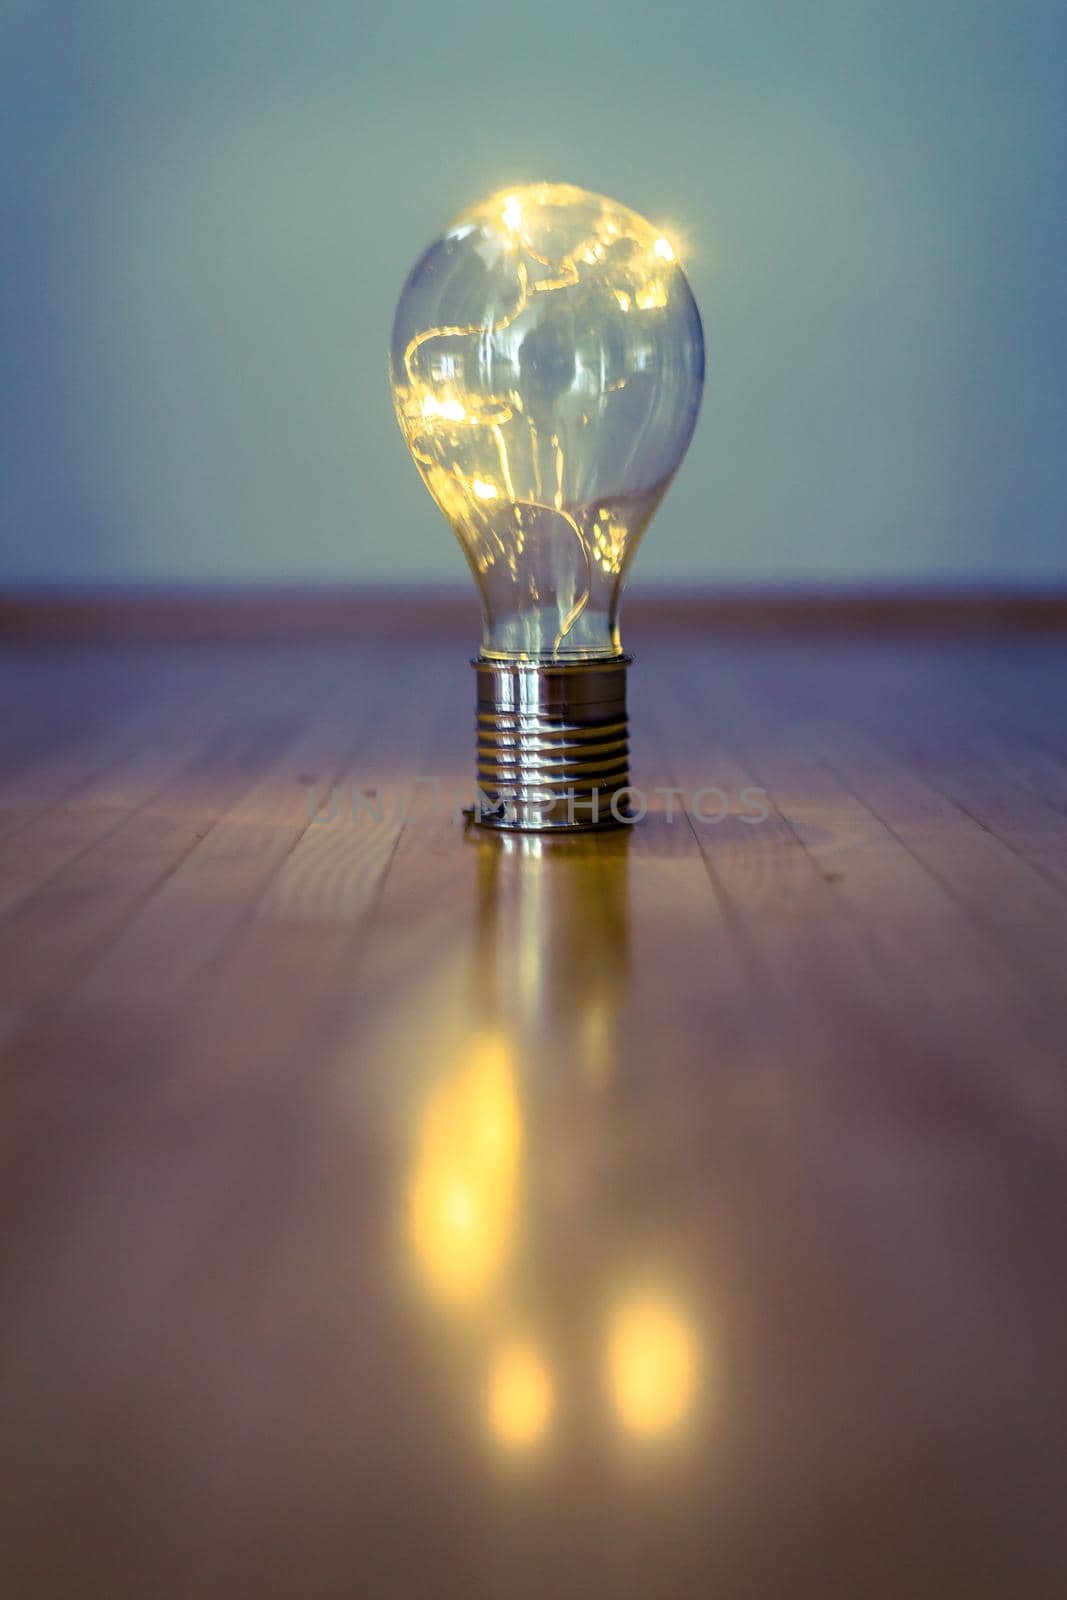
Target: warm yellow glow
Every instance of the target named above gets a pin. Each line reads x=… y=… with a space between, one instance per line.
x=520 y=1396
x=651 y=1364
x=652 y=297
x=596 y=1038
x=508 y=378
x=512 y=213
x=450 y=409
x=462 y=1195
x=609 y=543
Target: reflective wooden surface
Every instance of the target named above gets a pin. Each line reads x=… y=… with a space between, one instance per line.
x=396 y=1209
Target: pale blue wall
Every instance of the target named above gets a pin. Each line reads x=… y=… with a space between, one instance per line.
x=210 y=207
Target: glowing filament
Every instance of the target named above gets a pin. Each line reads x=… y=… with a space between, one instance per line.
x=520 y=366
x=451 y=410
x=652 y=297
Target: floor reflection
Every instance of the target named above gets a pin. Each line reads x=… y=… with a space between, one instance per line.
x=651 y=1356
x=521 y=1395
x=553 y=943
x=468 y=1146
x=540 y=1246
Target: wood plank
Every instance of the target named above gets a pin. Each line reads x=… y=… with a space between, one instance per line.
x=794 y=1089
x=282 y=614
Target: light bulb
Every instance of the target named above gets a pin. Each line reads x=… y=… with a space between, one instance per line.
x=547 y=365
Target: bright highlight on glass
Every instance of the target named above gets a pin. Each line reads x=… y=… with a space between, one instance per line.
x=547 y=366
x=652 y=1357
x=520 y=1396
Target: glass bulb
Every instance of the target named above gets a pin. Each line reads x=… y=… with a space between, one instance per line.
x=547 y=365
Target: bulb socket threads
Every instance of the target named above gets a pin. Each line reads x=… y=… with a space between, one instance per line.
x=553 y=745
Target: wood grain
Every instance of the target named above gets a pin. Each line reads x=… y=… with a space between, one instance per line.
x=395 y=1209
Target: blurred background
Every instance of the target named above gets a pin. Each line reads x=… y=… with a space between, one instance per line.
x=210 y=207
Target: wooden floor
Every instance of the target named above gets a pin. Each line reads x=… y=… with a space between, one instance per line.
x=396 y=1209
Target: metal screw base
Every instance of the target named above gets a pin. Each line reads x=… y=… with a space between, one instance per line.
x=553 y=745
